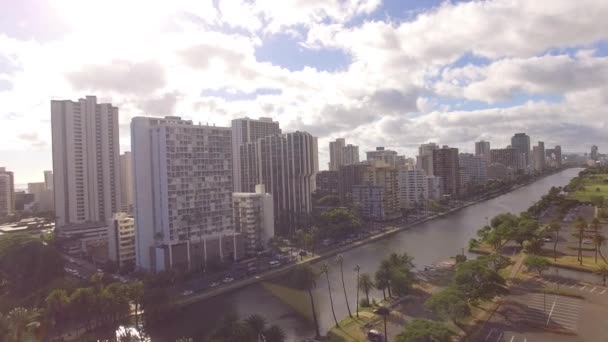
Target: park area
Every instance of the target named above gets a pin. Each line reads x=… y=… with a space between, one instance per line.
x=590 y=187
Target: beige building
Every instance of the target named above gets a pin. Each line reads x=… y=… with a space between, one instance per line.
x=382 y=154
x=246 y=130
x=351 y=154
x=446 y=165
x=126 y=181
x=254 y=218
x=183 y=193
x=121 y=240
x=287 y=165
x=86 y=178
x=377 y=196
x=336 y=154
x=424 y=160
x=7 y=193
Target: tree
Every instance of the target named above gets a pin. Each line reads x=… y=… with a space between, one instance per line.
x=136 y=294
x=357 y=269
x=537 y=263
x=56 y=304
x=366 y=284
x=602 y=271
x=21 y=322
x=305 y=278
x=448 y=304
x=257 y=324
x=419 y=330
x=599 y=241
x=274 y=334
x=533 y=246
x=340 y=262
x=580 y=226
x=476 y=281
x=325 y=270
x=382 y=280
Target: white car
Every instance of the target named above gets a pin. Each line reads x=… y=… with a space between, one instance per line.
x=228 y=280
x=587 y=242
x=214 y=284
x=187 y=293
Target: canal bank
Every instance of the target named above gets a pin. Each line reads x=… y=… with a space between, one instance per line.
x=427 y=242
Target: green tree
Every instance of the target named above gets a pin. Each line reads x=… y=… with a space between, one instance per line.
x=257 y=324
x=136 y=294
x=340 y=262
x=382 y=279
x=537 y=263
x=448 y=304
x=274 y=334
x=554 y=227
x=57 y=303
x=476 y=281
x=304 y=277
x=325 y=270
x=366 y=284
x=422 y=330
x=21 y=323
x=580 y=226
x=533 y=246
x=599 y=241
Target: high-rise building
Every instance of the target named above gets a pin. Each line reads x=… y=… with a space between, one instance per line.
x=538 y=157
x=554 y=156
x=183 y=193
x=126 y=181
x=246 y=130
x=424 y=160
x=474 y=169
x=327 y=183
x=121 y=240
x=351 y=154
x=387 y=156
x=48 y=180
x=446 y=166
x=7 y=193
x=287 y=165
x=416 y=188
x=521 y=143
x=86 y=177
x=505 y=156
x=254 y=218
x=594 y=153
x=348 y=176
x=377 y=196
x=482 y=149
x=336 y=154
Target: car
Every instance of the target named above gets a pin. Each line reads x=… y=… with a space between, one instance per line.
x=274 y=263
x=214 y=284
x=227 y=280
x=587 y=241
x=547 y=239
x=187 y=293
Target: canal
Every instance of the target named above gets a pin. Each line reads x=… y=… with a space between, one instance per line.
x=428 y=242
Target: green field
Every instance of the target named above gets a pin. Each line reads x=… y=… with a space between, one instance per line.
x=591 y=184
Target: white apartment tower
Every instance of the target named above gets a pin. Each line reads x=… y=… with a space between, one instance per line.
x=183 y=191
x=246 y=130
x=351 y=154
x=126 y=181
x=416 y=188
x=254 y=218
x=7 y=193
x=48 y=180
x=121 y=240
x=424 y=160
x=86 y=174
x=287 y=165
x=336 y=154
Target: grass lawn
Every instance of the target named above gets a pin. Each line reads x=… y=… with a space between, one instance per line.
x=591 y=186
x=296 y=299
x=571 y=261
x=351 y=329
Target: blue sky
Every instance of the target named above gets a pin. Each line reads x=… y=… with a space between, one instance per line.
x=394 y=73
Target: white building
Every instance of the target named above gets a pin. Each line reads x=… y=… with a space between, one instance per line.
x=416 y=188
x=121 y=240
x=254 y=218
x=86 y=178
x=382 y=154
x=336 y=154
x=246 y=130
x=183 y=193
x=126 y=181
x=43 y=198
x=474 y=169
x=7 y=193
x=351 y=154
x=48 y=180
x=482 y=149
x=424 y=159
x=538 y=157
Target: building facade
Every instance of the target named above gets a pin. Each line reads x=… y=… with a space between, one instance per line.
x=336 y=154
x=505 y=156
x=381 y=154
x=594 y=155
x=424 y=160
x=7 y=193
x=86 y=177
x=482 y=149
x=183 y=193
x=378 y=194
x=246 y=130
x=447 y=166
x=48 y=180
x=351 y=154
x=538 y=157
x=126 y=181
x=121 y=240
x=474 y=169
x=521 y=143
x=254 y=218
x=416 y=188
x=327 y=183
x=287 y=165
x=348 y=176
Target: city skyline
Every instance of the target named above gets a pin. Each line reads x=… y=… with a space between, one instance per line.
x=332 y=69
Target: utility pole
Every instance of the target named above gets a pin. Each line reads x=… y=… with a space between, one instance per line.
x=357 y=268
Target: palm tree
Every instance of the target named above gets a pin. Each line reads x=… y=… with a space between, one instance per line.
x=22 y=321
x=257 y=324
x=384 y=312
x=366 y=284
x=381 y=282
x=325 y=270
x=306 y=278
x=56 y=304
x=340 y=261
x=581 y=224
x=385 y=269
x=274 y=334
x=136 y=294
x=555 y=227
x=357 y=269
x=602 y=271
x=599 y=240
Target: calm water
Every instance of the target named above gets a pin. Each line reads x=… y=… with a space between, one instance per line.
x=427 y=243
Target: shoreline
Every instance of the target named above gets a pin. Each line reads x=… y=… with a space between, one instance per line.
x=195 y=298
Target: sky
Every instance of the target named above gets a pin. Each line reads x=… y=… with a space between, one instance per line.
x=393 y=73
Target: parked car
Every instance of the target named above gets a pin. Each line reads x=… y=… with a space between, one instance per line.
x=587 y=241
x=227 y=280
x=274 y=263
x=375 y=336
x=187 y=293
x=214 y=284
